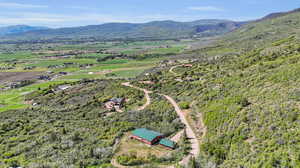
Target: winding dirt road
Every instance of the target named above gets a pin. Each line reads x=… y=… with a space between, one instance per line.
x=115 y=163
x=189 y=131
x=148 y=99
x=172 y=69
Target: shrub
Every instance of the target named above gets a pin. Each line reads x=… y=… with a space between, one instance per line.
x=184 y=105
x=130 y=160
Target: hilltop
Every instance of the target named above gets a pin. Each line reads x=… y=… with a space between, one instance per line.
x=264 y=32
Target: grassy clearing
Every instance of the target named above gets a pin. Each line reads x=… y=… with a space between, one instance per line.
x=46 y=63
x=18 y=55
x=116 y=69
x=174 y=50
x=129 y=73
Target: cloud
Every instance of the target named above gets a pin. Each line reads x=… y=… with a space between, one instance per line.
x=206 y=8
x=20 y=6
x=56 y=20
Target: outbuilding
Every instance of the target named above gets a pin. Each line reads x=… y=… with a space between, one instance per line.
x=167 y=143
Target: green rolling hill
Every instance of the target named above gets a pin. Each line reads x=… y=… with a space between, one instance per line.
x=248 y=94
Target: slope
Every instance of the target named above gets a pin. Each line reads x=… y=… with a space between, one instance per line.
x=247 y=94
x=265 y=31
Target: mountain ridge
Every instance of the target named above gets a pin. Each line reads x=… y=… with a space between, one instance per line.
x=19 y=29
x=149 y=30
x=279 y=14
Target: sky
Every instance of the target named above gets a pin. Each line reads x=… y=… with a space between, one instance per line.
x=70 y=13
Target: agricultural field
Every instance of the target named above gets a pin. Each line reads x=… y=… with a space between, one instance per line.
x=44 y=65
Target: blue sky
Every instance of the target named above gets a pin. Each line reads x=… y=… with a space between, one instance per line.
x=67 y=13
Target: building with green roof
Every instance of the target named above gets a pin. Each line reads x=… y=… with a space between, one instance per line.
x=147 y=136
x=167 y=143
x=152 y=137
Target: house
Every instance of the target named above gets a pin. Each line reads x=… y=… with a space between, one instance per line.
x=29 y=68
x=13 y=85
x=146 y=136
x=118 y=101
x=114 y=103
x=179 y=80
x=63 y=73
x=63 y=87
x=68 y=63
x=19 y=84
x=188 y=65
x=152 y=137
x=44 y=77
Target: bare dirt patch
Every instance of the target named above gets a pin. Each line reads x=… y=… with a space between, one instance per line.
x=18 y=76
x=128 y=145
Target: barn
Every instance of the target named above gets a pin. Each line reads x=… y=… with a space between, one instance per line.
x=152 y=137
x=147 y=136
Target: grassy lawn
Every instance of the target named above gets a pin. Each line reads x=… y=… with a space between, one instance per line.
x=18 y=55
x=14 y=98
x=176 y=49
x=46 y=63
x=129 y=73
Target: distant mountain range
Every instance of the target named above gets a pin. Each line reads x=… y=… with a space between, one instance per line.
x=113 y=31
x=19 y=29
x=131 y=31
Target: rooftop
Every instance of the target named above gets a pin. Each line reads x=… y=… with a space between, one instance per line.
x=167 y=143
x=117 y=100
x=146 y=134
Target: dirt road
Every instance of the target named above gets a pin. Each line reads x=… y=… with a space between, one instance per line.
x=115 y=163
x=172 y=69
x=189 y=131
x=176 y=138
x=148 y=99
